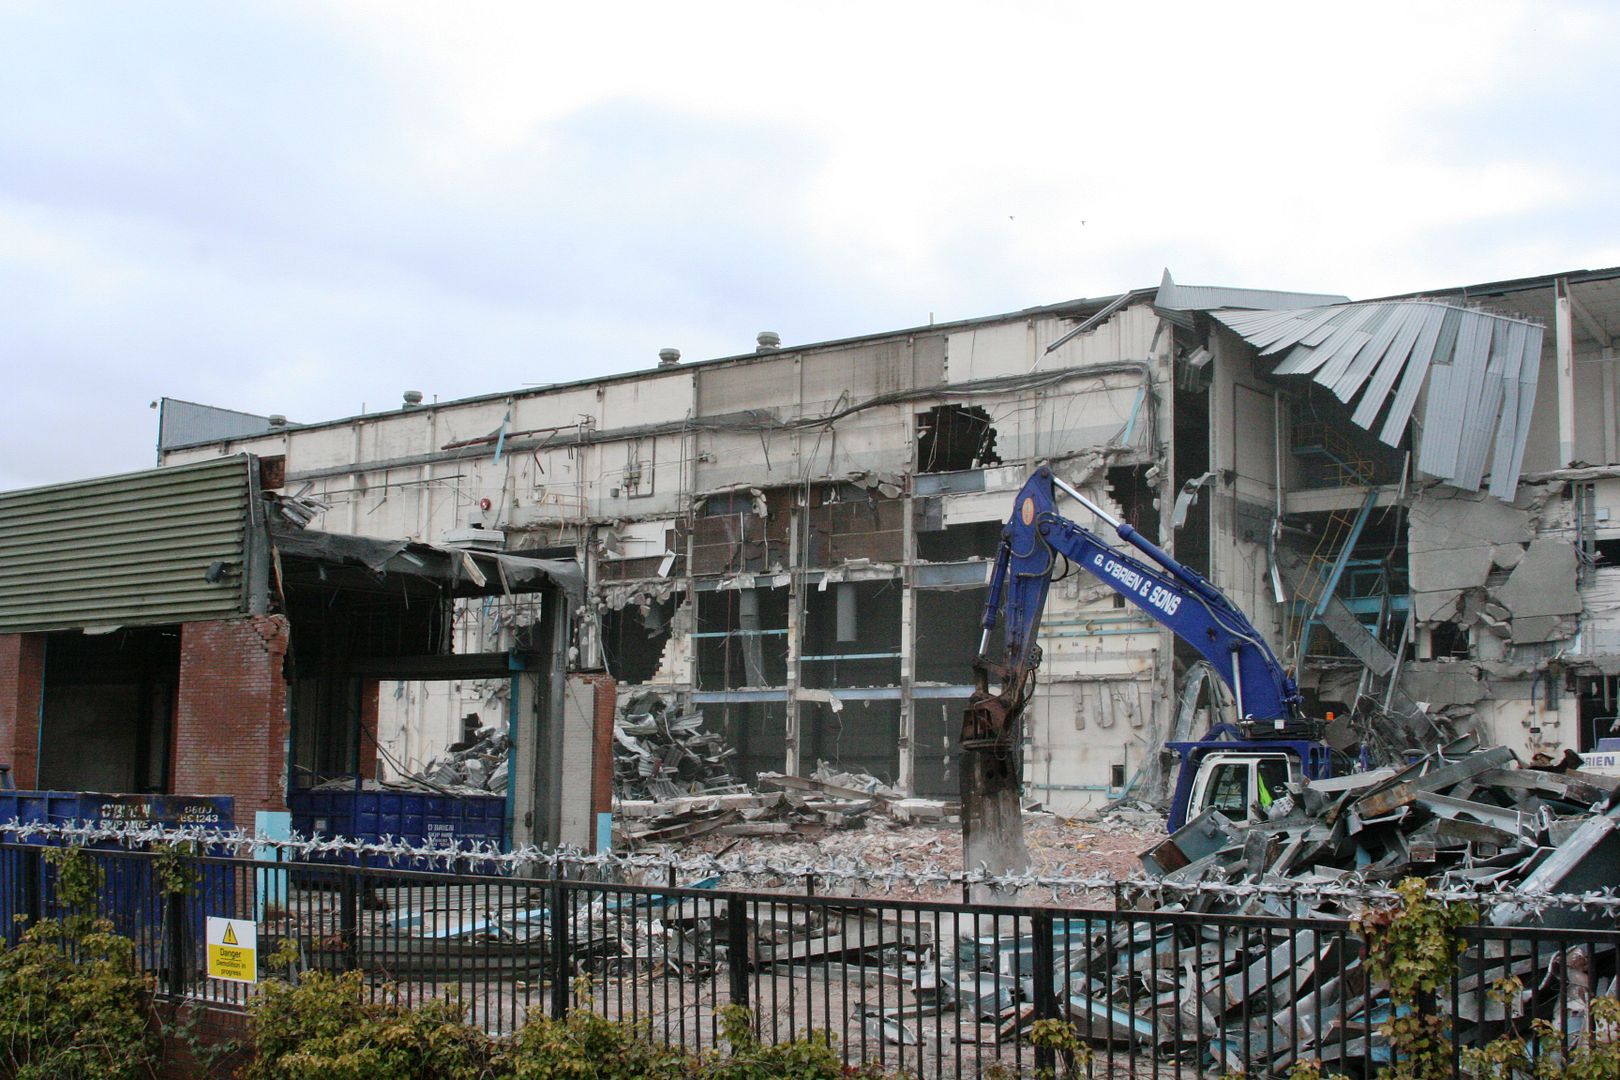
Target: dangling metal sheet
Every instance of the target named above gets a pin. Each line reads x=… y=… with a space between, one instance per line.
x=1476 y=371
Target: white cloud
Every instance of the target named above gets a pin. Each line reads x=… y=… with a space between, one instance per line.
x=299 y=208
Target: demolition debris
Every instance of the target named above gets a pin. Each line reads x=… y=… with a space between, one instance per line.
x=673 y=783
x=1464 y=818
x=477 y=765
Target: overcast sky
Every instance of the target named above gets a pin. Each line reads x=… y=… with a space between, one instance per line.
x=309 y=208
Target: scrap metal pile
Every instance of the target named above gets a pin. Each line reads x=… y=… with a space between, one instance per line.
x=1463 y=817
x=475 y=766
x=1466 y=819
x=673 y=782
x=660 y=754
x=478 y=767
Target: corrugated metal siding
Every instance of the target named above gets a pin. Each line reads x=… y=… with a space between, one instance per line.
x=125 y=550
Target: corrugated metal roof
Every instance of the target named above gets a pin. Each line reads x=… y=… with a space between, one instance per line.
x=1480 y=369
x=1173 y=297
x=125 y=550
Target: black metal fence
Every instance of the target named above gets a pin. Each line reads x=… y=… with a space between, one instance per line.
x=931 y=988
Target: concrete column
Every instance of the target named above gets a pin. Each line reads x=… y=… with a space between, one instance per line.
x=538 y=734
x=908 y=653
x=799 y=559
x=1611 y=441
x=523 y=726
x=1564 y=342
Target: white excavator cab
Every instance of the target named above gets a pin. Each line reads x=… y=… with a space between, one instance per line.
x=1242 y=785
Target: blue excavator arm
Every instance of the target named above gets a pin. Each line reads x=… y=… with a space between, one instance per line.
x=1172 y=594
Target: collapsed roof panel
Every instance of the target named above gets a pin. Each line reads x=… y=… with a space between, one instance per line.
x=460 y=572
x=1480 y=370
x=1174 y=297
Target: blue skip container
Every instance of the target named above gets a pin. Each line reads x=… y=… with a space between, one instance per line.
x=419 y=818
x=130 y=897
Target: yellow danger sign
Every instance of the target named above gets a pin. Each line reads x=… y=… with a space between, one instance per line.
x=233 y=950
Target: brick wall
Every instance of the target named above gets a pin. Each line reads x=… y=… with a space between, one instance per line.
x=222 y=1037
x=231 y=719
x=369 y=692
x=602 y=742
x=22 y=684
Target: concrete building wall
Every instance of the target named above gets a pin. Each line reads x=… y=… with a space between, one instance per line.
x=721 y=509
x=827 y=440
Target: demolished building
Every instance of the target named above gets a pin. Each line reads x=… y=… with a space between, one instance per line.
x=182 y=631
x=1410 y=496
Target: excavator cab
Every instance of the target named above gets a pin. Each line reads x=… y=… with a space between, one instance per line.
x=1240 y=775
x=1243 y=786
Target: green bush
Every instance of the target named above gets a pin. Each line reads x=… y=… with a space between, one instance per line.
x=72 y=1006
x=327 y=1027
x=585 y=1045
x=812 y=1057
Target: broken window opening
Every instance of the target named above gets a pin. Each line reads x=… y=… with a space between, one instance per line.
x=107 y=712
x=741 y=638
x=960 y=543
x=951 y=438
x=1597 y=705
x=1607 y=551
x=736 y=533
x=634 y=638
x=757 y=730
x=862 y=736
x=1372 y=578
x=1138 y=501
x=727 y=502
x=849 y=521
x=1192 y=460
x=1447 y=640
x=937 y=727
x=852 y=635
x=949 y=634
x=272 y=472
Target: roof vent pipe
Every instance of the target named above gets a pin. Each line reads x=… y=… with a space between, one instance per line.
x=413 y=398
x=769 y=341
x=669 y=357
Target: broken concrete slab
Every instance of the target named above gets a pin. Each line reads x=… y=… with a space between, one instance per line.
x=1443 y=680
x=1544 y=583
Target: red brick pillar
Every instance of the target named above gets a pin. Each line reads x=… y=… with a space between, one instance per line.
x=367 y=750
x=22 y=690
x=230 y=733
x=606 y=702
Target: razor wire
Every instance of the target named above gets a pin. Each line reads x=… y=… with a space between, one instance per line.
x=1349 y=892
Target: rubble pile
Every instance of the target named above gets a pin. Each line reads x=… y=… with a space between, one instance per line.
x=475 y=766
x=1462 y=817
x=796 y=806
x=672 y=783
